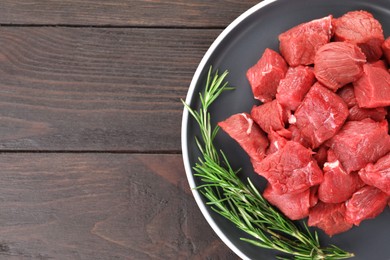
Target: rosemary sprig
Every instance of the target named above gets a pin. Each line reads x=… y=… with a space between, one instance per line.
x=242 y=203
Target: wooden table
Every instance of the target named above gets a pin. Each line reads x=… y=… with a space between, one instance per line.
x=90 y=117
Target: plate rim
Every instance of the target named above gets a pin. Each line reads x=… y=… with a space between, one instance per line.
x=184 y=125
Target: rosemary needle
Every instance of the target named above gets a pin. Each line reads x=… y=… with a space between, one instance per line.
x=240 y=202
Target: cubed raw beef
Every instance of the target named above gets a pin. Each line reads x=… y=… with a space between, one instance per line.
x=378 y=174
x=362 y=29
x=379 y=64
x=265 y=75
x=299 y=44
x=338 y=186
x=313 y=200
x=249 y=135
x=329 y=217
x=368 y=202
x=338 y=63
x=357 y=113
x=295 y=206
x=296 y=136
x=347 y=93
x=373 y=87
x=360 y=142
x=270 y=115
x=293 y=88
x=320 y=115
x=386 y=49
x=321 y=155
x=276 y=142
x=290 y=170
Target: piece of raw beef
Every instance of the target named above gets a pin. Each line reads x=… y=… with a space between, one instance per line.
x=360 y=142
x=329 y=217
x=249 y=135
x=295 y=206
x=265 y=75
x=362 y=29
x=320 y=115
x=321 y=155
x=338 y=63
x=368 y=202
x=356 y=113
x=378 y=174
x=299 y=44
x=293 y=88
x=372 y=89
x=347 y=93
x=276 y=142
x=270 y=116
x=296 y=136
x=291 y=169
x=338 y=186
x=380 y=64
x=313 y=196
x=386 y=49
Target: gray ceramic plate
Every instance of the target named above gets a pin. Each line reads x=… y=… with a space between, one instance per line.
x=238 y=47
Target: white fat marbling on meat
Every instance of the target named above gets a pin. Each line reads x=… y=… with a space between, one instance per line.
x=331 y=120
x=292 y=119
x=250 y=123
x=332 y=165
x=268 y=68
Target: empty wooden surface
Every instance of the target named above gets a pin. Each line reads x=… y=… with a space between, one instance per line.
x=90 y=116
x=100 y=206
x=150 y=13
x=106 y=89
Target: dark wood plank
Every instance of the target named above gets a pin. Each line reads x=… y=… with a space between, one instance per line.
x=96 y=89
x=197 y=13
x=101 y=206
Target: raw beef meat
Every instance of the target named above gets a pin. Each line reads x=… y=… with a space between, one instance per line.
x=338 y=185
x=338 y=63
x=249 y=135
x=321 y=114
x=379 y=64
x=321 y=155
x=347 y=93
x=320 y=136
x=378 y=174
x=360 y=142
x=293 y=88
x=276 y=142
x=357 y=113
x=296 y=136
x=313 y=196
x=329 y=217
x=295 y=206
x=290 y=170
x=386 y=49
x=362 y=29
x=265 y=75
x=366 y=203
x=270 y=116
x=373 y=88
x=299 y=44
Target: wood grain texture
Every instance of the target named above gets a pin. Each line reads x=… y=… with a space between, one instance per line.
x=96 y=89
x=182 y=13
x=101 y=206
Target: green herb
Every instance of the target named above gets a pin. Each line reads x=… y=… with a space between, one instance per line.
x=242 y=203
